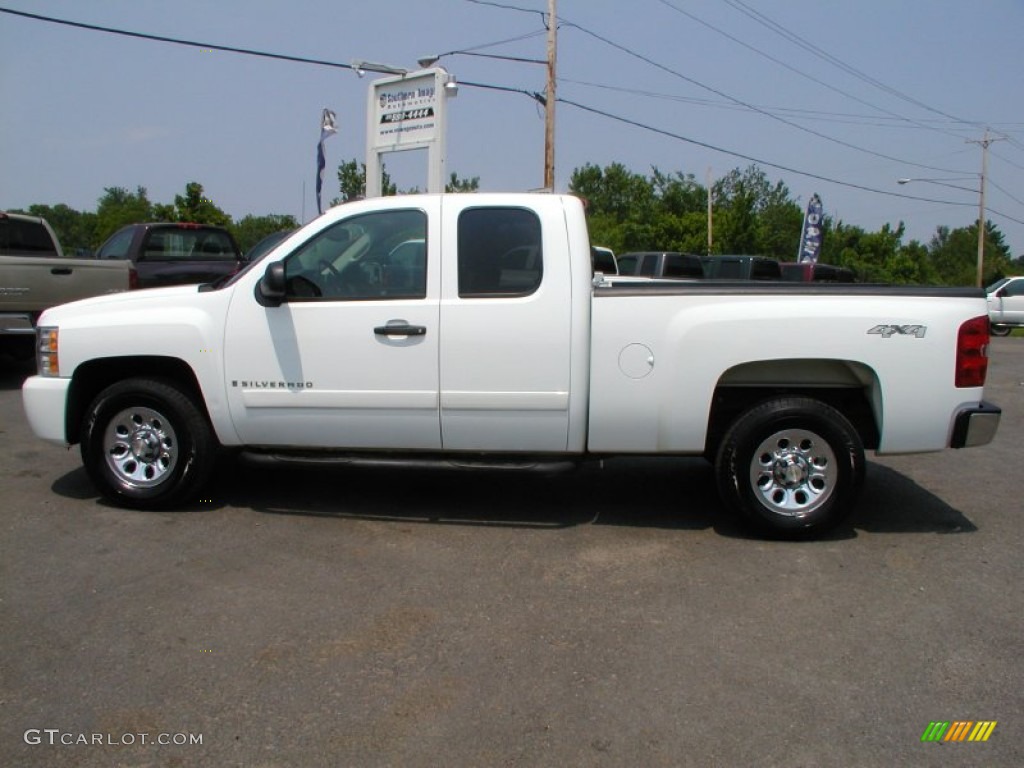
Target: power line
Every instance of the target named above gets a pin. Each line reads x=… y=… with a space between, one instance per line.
x=846 y=118
x=801 y=72
x=175 y=40
x=680 y=75
x=802 y=42
x=470 y=49
x=532 y=94
x=508 y=7
x=1005 y=192
x=777 y=166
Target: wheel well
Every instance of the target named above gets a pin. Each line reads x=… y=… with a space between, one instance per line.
x=92 y=377
x=730 y=401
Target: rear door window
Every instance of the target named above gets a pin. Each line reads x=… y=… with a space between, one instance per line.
x=500 y=252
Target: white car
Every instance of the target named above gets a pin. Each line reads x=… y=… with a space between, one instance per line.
x=1006 y=305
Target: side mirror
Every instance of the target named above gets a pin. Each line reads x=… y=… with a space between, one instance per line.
x=1001 y=293
x=270 y=290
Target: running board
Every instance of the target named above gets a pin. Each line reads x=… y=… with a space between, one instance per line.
x=412 y=461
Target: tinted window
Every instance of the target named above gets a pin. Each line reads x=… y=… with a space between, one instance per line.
x=730 y=269
x=379 y=255
x=764 y=269
x=19 y=236
x=167 y=244
x=1015 y=288
x=648 y=264
x=682 y=265
x=117 y=246
x=499 y=252
x=627 y=263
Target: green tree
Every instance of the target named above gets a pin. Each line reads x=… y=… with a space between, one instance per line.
x=250 y=229
x=628 y=211
x=118 y=207
x=455 y=184
x=755 y=217
x=194 y=206
x=352 y=182
x=954 y=255
x=912 y=265
x=76 y=230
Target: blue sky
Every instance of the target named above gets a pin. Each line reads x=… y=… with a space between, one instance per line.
x=909 y=83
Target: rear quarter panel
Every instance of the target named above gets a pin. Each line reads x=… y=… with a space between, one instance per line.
x=699 y=334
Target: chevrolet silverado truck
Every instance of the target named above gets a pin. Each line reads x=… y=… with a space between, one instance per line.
x=470 y=328
x=35 y=275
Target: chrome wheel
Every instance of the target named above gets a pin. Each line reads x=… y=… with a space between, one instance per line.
x=140 y=447
x=794 y=472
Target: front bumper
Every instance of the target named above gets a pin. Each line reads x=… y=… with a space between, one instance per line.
x=976 y=425
x=45 y=401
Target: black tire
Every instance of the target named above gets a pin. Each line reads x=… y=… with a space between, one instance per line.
x=146 y=445
x=791 y=467
x=1000 y=330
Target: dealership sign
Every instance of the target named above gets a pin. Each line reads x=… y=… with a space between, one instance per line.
x=408 y=112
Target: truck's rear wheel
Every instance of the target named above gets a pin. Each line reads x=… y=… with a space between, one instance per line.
x=1000 y=330
x=146 y=445
x=791 y=467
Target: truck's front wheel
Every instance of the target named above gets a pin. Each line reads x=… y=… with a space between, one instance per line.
x=146 y=445
x=791 y=467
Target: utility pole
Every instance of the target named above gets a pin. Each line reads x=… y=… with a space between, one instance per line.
x=981 y=202
x=710 y=195
x=549 y=101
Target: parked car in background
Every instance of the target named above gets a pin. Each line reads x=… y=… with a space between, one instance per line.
x=177 y=253
x=807 y=272
x=741 y=268
x=36 y=275
x=603 y=260
x=661 y=264
x=265 y=244
x=1006 y=305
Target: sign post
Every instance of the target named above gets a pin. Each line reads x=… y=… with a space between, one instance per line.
x=408 y=112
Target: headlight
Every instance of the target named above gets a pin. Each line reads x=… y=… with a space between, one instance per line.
x=47 y=362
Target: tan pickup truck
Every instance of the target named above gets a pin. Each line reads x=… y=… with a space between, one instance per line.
x=36 y=275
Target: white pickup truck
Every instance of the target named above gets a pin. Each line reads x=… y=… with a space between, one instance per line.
x=471 y=328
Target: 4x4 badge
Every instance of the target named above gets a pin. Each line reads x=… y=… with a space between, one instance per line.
x=888 y=331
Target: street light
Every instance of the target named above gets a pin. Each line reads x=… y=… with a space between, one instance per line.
x=361 y=67
x=941 y=183
x=981 y=211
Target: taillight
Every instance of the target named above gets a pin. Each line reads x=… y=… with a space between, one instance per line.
x=972 y=353
x=133 y=279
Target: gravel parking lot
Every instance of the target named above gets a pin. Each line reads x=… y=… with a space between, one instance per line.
x=606 y=617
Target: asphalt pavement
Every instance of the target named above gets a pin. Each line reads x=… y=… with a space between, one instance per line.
x=607 y=617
